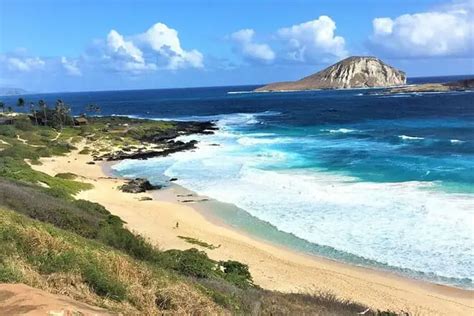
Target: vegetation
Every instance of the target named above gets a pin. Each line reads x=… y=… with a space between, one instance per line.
x=53 y=241
x=198 y=242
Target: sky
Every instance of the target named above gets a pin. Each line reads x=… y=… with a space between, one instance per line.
x=87 y=45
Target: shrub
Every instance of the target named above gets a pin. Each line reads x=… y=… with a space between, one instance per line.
x=23 y=124
x=85 y=151
x=237 y=273
x=66 y=175
x=8 y=131
x=191 y=262
x=9 y=274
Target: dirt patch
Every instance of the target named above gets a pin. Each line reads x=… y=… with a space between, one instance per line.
x=20 y=299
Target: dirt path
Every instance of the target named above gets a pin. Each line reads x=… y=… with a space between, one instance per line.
x=20 y=299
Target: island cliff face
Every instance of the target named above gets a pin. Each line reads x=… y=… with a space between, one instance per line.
x=352 y=72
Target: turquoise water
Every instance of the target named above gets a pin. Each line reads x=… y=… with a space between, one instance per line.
x=387 y=193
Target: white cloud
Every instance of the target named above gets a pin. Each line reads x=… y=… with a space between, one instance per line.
x=246 y=45
x=159 y=47
x=382 y=26
x=313 y=41
x=71 y=67
x=164 y=41
x=123 y=55
x=23 y=64
x=446 y=31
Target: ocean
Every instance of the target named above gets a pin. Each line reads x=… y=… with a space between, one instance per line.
x=385 y=181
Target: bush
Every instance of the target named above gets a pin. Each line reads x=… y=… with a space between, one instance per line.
x=8 y=131
x=237 y=273
x=191 y=262
x=23 y=124
x=85 y=151
x=8 y=274
x=66 y=175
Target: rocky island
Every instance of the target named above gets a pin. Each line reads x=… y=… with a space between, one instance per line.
x=352 y=72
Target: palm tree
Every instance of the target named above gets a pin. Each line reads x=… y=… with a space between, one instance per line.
x=67 y=113
x=2 y=105
x=42 y=105
x=93 y=108
x=59 y=112
x=33 y=110
x=20 y=103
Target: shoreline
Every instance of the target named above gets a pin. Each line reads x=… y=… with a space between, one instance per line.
x=205 y=209
x=274 y=267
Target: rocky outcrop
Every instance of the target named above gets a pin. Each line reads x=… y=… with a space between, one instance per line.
x=163 y=140
x=461 y=85
x=182 y=128
x=138 y=185
x=352 y=72
x=169 y=148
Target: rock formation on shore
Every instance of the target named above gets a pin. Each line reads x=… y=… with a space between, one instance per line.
x=352 y=72
x=460 y=85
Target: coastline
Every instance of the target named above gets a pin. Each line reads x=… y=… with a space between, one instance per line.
x=273 y=266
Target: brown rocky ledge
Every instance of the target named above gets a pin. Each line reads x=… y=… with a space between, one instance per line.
x=461 y=85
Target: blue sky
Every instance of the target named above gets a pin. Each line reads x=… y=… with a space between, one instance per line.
x=71 y=45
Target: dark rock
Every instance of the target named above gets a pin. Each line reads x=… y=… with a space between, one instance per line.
x=173 y=179
x=171 y=147
x=138 y=185
x=90 y=163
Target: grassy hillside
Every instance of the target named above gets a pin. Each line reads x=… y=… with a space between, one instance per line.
x=52 y=241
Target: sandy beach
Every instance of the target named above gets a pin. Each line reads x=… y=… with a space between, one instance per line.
x=272 y=267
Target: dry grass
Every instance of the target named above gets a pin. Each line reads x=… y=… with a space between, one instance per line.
x=25 y=243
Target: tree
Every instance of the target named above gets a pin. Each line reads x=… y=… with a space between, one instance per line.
x=33 y=110
x=2 y=105
x=42 y=105
x=58 y=111
x=20 y=103
x=93 y=108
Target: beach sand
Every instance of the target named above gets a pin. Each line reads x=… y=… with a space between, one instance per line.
x=272 y=267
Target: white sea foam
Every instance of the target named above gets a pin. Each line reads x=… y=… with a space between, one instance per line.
x=405 y=137
x=456 y=141
x=241 y=92
x=339 y=130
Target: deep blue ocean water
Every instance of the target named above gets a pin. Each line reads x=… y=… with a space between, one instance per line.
x=378 y=180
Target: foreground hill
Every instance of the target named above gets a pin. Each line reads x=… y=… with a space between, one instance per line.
x=352 y=72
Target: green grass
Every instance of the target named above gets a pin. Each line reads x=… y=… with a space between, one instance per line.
x=198 y=242
x=18 y=170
